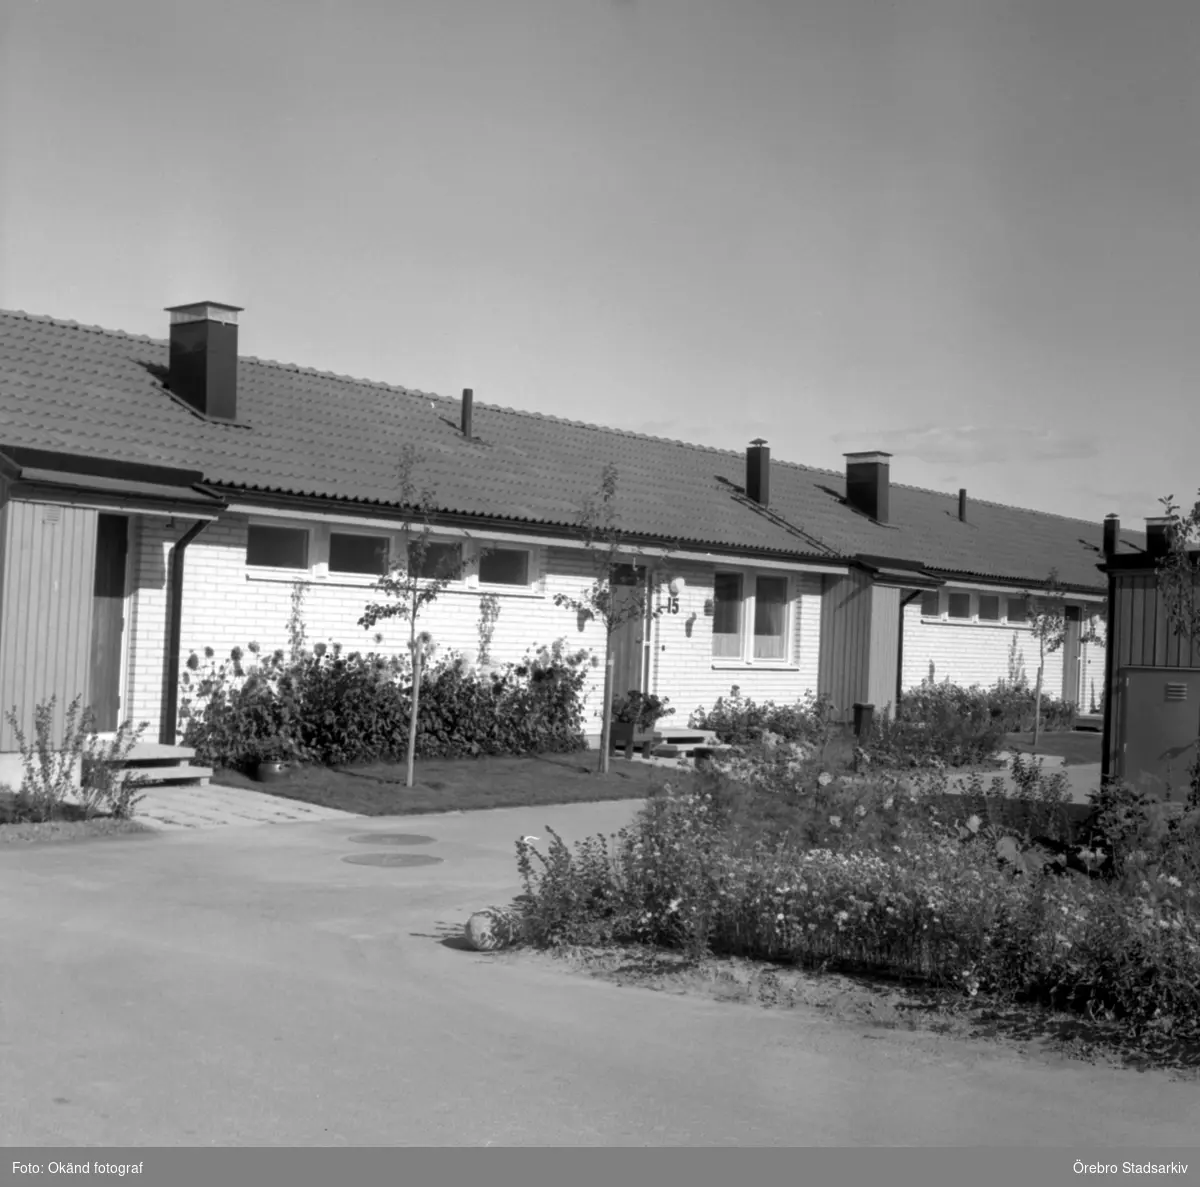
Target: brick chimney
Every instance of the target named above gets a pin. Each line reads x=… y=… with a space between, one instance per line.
x=1158 y=535
x=867 y=483
x=204 y=354
x=758 y=471
x=468 y=410
x=1112 y=534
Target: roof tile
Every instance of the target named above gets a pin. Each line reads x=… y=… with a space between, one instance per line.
x=87 y=390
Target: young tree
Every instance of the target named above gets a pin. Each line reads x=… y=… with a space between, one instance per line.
x=598 y=524
x=1047 y=614
x=414 y=579
x=1179 y=570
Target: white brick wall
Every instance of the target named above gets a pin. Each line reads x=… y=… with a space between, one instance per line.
x=683 y=667
x=969 y=653
x=225 y=605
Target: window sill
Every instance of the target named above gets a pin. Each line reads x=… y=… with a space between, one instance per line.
x=362 y=581
x=1006 y=626
x=744 y=665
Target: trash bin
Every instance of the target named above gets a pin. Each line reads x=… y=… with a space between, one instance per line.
x=864 y=716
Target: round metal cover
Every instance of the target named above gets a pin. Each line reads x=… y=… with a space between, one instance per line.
x=390 y=839
x=391 y=859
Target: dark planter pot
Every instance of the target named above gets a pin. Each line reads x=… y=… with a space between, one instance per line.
x=272 y=772
x=625 y=735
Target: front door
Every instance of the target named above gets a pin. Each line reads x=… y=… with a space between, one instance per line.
x=1070 y=675
x=629 y=640
x=108 y=620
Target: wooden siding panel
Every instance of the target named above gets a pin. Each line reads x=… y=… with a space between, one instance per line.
x=45 y=612
x=846 y=642
x=884 y=649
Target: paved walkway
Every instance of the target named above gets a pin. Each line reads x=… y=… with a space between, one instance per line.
x=170 y=808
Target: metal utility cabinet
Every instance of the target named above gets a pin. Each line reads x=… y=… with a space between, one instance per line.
x=1157 y=729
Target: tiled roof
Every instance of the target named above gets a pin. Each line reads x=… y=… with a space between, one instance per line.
x=85 y=390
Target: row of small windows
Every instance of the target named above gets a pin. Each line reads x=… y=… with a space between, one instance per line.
x=287 y=548
x=989 y=607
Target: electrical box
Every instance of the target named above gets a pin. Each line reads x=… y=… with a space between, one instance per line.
x=1159 y=723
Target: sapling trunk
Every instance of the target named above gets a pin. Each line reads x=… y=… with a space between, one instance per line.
x=1037 y=707
x=606 y=715
x=412 y=718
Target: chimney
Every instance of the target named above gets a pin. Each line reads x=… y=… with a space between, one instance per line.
x=1112 y=534
x=962 y=504
x=468 y=409
x=1158 y=535
x=204 y=355
x=758 y=471
x=867 y=483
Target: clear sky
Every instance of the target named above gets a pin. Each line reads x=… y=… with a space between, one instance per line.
x=965 y=231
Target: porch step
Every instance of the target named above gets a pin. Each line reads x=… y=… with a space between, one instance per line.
x=160 y=765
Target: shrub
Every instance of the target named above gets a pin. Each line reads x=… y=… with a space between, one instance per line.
x=738 y=721
x=334 y=708
x=48 y=783
x=904 y=895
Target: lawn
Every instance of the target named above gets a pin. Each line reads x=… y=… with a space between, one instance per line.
x=1078 y=747
x=449 y=785
x=71 y=825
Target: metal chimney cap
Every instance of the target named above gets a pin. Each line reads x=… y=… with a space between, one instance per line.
x=216 y=311
x=870 y=455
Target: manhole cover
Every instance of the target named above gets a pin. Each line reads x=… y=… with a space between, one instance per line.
x=391 y=859
x=390 y=839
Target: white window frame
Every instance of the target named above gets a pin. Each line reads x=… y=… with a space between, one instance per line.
x=973 y=619
x=336 y=576
x=276 y=572
x=533 y=587
x=749 y=587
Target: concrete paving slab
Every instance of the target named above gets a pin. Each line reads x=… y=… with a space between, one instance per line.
x=172 y=808
x=237 y=986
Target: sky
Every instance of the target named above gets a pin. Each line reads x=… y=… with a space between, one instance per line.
x=962 y=231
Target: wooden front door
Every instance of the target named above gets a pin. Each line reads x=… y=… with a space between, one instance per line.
x=1071 y=654
x=629 y=640
x=108 y=620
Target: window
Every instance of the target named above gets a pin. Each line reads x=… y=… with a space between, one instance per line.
x=439 y=560
x=1017 y=610
x=770 y=617
x=277 y=548
x=989 y=607
x=727 y=615
x=960 y=605
x=358 y=554
x=504 y=566
x=931 y=603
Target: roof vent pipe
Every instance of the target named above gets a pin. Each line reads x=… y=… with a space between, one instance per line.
x=758 y=472
x=962 y=504
x=468 y=409
x=1112 y=533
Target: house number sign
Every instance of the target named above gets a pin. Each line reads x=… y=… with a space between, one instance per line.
x=672 y=603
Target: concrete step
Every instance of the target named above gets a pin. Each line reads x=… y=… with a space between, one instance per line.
x=154 y=753
x=184 y=775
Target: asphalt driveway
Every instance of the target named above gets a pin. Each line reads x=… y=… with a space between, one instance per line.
x=249 y=986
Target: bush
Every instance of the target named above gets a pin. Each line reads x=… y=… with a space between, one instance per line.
x=333 y=708
x=738 y=721
x=48 y=788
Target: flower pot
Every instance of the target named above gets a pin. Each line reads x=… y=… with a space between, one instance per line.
x=272 y=772
x=625 y=735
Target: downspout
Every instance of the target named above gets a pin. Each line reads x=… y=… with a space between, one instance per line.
x=170 y=705
x=1110 y=641
x=912 y=597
